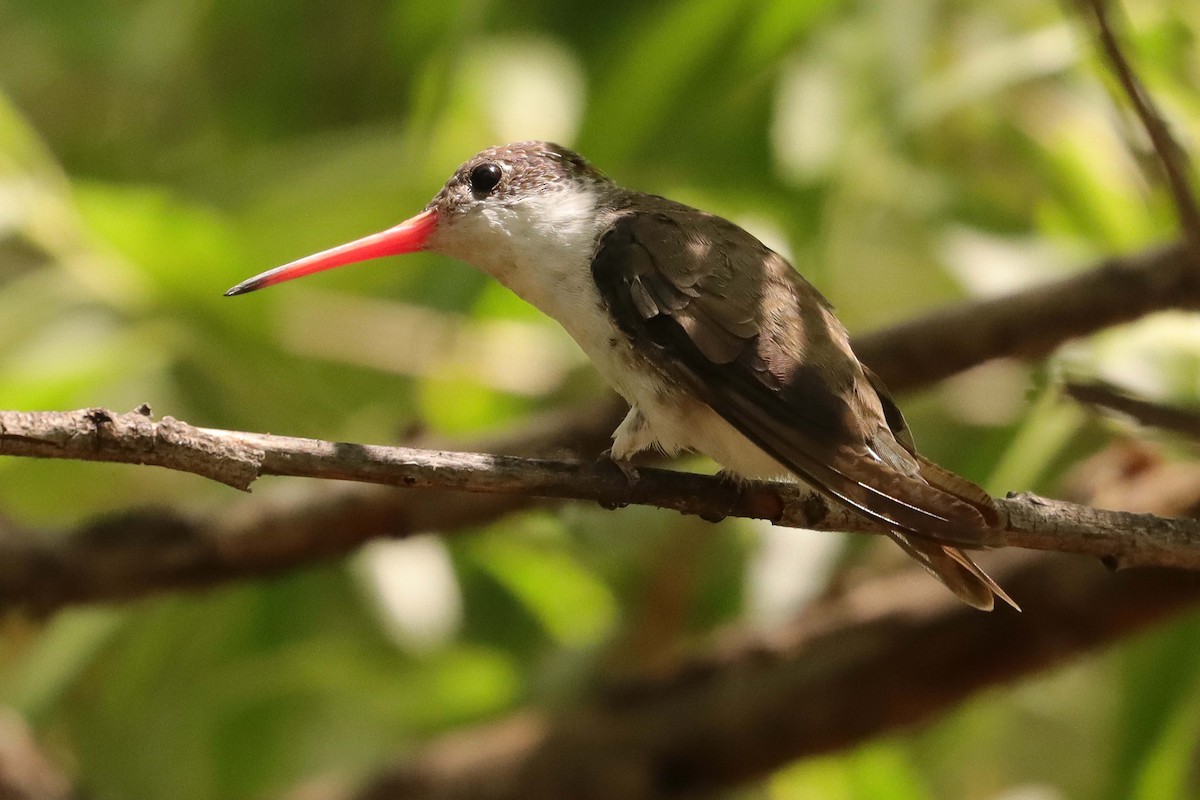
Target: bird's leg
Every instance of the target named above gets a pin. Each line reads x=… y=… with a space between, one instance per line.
x=631 y=436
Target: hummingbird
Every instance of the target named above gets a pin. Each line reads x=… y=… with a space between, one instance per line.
x=716 y=342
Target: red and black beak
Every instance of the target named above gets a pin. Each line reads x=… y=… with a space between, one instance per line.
x=407 y=237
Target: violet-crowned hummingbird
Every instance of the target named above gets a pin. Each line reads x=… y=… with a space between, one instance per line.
x=716 y=342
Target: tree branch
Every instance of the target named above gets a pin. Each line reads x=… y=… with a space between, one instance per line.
x=139 y=552
x=136 y=553
x=1183 y=421
x=1031 y=323
x=142 y=551
x=889 y=655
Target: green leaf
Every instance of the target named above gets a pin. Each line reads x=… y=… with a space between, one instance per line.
x=573 y=605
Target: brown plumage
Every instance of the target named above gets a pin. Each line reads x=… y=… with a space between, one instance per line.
x=758 y=344
x=718 y=344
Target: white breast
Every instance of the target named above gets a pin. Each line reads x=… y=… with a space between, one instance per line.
x=541 y=248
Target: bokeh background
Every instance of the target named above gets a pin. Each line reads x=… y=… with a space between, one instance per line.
x=902 y=153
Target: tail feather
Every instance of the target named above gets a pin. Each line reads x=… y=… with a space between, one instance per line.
x=979 y=576
x=948 y=564
x=956 y=570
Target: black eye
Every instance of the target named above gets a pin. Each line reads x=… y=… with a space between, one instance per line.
x=484 y=179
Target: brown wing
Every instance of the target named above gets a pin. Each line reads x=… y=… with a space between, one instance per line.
x=931 y=472
x=946 y=563
x=735 y=323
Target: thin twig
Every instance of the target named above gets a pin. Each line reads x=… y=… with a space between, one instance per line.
x=1170 y=155
x=1183 y=421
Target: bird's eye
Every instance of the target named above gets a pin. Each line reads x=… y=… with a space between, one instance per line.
x=484 y=179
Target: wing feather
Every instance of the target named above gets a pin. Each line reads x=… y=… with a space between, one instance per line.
x=720 y=311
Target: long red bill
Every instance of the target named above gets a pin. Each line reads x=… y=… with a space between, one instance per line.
x=407 y=237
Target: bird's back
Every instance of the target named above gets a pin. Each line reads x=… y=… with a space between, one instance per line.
x=733 y=325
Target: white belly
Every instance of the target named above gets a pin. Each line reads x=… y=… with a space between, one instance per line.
x=545 y=259
x=691 y=425
x=671 y=419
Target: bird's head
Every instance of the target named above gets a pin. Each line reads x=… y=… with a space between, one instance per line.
x=507 y=205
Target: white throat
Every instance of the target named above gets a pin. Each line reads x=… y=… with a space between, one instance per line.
x=540 y=247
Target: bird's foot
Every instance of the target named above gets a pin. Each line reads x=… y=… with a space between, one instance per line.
x=730 y=480
x=627 y=468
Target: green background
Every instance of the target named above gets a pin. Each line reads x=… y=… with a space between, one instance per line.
x=903 y=153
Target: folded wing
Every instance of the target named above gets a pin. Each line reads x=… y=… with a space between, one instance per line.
x=731 y=319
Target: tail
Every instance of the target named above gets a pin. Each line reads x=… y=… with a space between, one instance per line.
x=956 y=570
x=948 y=564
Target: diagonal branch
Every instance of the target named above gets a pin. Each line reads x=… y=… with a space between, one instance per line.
x=1031 y=323
x=1170 y=155
x=888 y=655
x=1183 y=421
x=118 y=558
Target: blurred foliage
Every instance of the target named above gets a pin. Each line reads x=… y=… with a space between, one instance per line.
x=903 y=153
